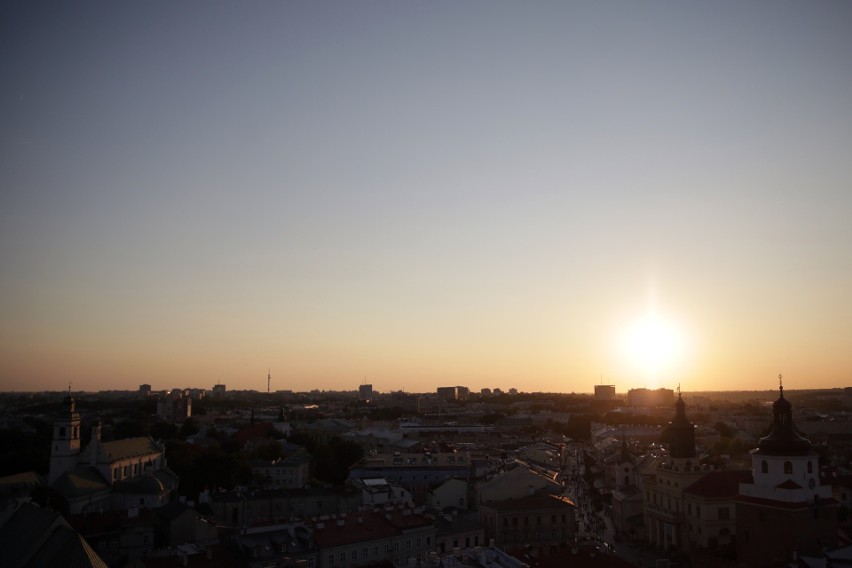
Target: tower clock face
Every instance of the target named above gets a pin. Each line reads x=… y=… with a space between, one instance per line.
x=811 y=483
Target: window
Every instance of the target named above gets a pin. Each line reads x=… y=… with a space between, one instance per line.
x=724 y=514
x=331 y=559
x=788 y=467
x=354 y=555
x=62 y=431
x=810 y=467
x=428 y=541
x=698 y=511
x=343 y=557
x=764 y=467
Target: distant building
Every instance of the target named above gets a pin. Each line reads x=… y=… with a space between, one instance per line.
x=462 y=393
x=145 y=390
x=447 y=393
x=219 y=391
x=787 y=510
x=365 y=393
x=604 y=392
x=175 y=408
x=284 y=473
x=485 y=392
x=647 y=397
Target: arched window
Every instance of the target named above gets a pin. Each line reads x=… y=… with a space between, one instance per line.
x=810 y=467
x=764 y=467
x=626 y=480
x=62 y=431
x=788 y=467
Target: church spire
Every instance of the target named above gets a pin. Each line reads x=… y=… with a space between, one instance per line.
x=680 y=433
x=783 y=438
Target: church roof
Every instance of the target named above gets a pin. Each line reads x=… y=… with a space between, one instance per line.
x=131 y=447
x=719 y=484
x=783 y=439
x=79 y=481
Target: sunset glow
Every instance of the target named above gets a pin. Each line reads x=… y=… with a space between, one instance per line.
x=417 y=194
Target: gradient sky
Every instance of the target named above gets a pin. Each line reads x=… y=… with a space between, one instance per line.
x=420 y=194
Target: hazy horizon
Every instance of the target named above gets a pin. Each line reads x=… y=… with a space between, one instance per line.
x=538 y=195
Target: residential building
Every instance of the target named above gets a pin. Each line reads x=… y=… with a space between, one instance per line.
x=541 y=522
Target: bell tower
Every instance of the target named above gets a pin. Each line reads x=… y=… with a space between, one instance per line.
x=65 y=447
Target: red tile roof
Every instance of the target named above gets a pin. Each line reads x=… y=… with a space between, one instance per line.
x=364 y=526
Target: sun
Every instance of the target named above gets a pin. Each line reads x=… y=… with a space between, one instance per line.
x=652 y=346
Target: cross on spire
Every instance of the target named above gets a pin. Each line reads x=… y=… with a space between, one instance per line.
x=781 y=383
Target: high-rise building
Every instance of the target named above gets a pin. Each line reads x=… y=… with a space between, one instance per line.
x=647 y=397
x=604 y=392
x=145 y=390
x=219 y=391
x=447 y=393
x=365 y=393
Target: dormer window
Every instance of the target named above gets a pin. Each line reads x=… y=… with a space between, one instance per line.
x=810 y=467
x=788 y=467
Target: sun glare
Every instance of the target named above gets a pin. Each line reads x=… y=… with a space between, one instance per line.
x=653 y=346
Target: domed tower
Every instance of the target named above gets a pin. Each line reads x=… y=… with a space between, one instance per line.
x=65 y=447
x=786 y=509
x=680 y=433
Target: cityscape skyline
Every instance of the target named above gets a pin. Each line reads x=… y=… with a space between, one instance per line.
x=540 y=196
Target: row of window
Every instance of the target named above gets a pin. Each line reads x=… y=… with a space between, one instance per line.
x=538 y=520
x=353 y=555
x=788 y=467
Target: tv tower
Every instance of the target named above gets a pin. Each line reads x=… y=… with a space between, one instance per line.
x=268 y=380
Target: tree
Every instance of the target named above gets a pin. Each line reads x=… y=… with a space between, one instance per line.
x=188 y=428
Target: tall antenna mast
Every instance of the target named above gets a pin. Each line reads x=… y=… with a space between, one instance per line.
x=268 y=380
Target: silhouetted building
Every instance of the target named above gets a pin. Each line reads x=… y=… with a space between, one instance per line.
x=647 y=397
x=145 y=390
x=604 y=392
x=787 y=509
x=665 y=519
x=365 y=393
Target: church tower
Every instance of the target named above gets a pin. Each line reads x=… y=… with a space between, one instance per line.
x=665 y=510
x=65 y=447
x=680 y=433
x=786 y=509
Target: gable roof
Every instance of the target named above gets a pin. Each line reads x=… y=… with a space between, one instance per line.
x=131 y=447
x=719 y=484
x=79 y=481
x=37 y=537
x=530 y=502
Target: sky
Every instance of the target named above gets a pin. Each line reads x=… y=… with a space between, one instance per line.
x=538 y=195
